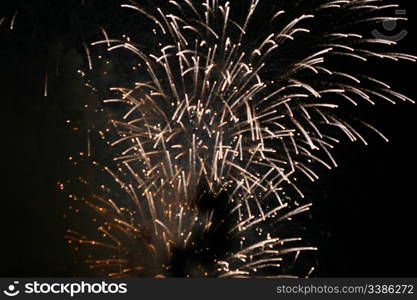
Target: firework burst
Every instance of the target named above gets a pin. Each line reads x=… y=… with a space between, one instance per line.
x=225 y=113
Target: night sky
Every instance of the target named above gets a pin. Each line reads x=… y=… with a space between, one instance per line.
x=363 y=220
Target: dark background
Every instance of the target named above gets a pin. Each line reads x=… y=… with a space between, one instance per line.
x=364 y=212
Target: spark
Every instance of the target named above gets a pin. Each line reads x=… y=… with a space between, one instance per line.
x=45 y=89
x=12 y=22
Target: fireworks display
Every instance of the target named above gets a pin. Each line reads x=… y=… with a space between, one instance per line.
x=198 y=164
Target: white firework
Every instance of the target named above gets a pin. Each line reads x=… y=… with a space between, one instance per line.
x=234 y=106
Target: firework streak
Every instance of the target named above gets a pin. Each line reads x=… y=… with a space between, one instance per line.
x=233 y=103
